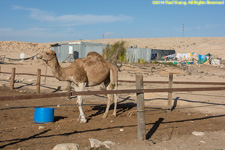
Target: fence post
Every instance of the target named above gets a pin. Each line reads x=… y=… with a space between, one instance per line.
x=169 y=106
x=69 y=89
x=38 y=86
x=12 y=78
x=0 y=69
x=140 y=108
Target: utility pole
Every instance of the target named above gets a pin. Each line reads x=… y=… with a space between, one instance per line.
x=183 y=31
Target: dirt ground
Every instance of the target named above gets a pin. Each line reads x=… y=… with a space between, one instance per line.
x=19 y=131
x=192 y=111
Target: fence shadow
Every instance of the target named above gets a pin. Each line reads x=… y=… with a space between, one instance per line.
x=25 y=85
x=154 y=128
x=15 y=141
x=186 y=100
x=174 y=103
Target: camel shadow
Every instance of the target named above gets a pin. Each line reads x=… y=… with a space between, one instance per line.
x=57 y=118
x=121 y=108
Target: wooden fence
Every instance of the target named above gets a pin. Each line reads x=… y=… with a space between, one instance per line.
x=139 y=92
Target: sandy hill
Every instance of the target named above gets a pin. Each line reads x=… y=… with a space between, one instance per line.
x=200 y=45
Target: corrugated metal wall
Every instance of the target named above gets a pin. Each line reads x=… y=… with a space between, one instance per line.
x=80 y=49
x=146 y=54
x=91 y=47
x=135 y=54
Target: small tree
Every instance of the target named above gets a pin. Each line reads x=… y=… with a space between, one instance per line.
x=117 y=52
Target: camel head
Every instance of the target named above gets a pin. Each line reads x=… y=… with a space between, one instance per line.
x=48 y=56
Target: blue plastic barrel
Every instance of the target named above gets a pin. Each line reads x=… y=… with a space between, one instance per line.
x=43 y=115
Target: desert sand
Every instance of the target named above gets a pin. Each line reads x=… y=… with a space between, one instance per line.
x=200 y=45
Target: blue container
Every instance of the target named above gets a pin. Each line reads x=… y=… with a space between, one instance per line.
x=43 y=115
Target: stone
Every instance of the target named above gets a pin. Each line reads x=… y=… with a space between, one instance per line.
x=41 y=127
x=122 y=130
x=196 y=133
x=96 y=143
x=66 y=146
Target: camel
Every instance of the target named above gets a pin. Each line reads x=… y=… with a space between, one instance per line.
x=86 y=72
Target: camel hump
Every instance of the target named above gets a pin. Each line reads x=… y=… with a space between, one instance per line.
x=95 y=56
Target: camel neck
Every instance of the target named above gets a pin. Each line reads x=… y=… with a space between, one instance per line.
x=57 y=70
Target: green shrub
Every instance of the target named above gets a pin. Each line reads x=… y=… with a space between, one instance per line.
x=117 y=52
x=142 y=61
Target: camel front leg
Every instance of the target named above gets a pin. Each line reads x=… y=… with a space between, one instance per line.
x=81 y=117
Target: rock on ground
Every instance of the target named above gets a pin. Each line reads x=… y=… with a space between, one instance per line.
x=66 y=146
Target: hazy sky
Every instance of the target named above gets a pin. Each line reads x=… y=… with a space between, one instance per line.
x=57 y=20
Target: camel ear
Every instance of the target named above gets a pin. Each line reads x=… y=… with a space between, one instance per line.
x=51 y=52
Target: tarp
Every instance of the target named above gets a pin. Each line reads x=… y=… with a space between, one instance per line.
x=202 y=59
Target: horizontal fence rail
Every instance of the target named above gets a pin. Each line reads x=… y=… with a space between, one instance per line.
x=29 y=74
x=33 y=96
x=130 y=81
x=176 y=82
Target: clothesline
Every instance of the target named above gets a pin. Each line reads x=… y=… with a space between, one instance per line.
x=185 y=56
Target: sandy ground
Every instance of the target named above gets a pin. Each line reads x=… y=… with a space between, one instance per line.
x=192 y=111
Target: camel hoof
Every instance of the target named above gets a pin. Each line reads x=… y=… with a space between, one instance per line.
x=114 y=114
x=82 y=120
x=104 y=116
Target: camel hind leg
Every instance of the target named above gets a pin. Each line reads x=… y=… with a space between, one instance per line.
x=110 y=86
